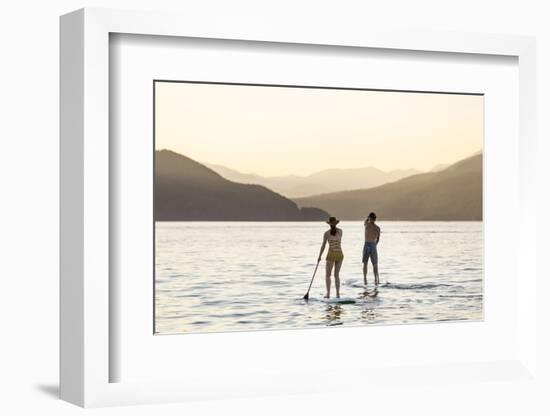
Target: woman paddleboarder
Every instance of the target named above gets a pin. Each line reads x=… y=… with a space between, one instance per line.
x=335 y=256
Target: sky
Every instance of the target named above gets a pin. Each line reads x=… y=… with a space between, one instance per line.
x=275 y=131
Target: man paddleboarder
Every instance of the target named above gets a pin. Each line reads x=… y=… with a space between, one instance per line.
x=372 y=237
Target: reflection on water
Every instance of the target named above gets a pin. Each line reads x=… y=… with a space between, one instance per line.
x=368 y=315
x=333 y=314
x=369 y=294
x=230 y=276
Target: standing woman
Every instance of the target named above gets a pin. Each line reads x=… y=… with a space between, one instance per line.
x=335 y=256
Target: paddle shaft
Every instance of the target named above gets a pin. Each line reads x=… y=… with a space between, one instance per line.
x=312 y=277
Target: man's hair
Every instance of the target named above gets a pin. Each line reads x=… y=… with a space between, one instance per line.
x=372 y=216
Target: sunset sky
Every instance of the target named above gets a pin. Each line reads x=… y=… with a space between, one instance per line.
x=280 y=131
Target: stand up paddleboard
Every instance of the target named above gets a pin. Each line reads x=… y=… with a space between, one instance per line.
x=339 y=301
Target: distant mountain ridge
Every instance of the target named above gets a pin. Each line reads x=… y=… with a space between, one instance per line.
x=326 y=181
x=186 y=190
x=454 y=193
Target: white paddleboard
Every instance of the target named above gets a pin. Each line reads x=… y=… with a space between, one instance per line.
x=355 y=283
x=360 y=285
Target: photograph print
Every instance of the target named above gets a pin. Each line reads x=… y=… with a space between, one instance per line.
x=292 y=207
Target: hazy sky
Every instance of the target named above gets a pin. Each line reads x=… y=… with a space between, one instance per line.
x=280 y=131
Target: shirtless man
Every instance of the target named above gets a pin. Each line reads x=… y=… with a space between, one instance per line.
x=372 y=237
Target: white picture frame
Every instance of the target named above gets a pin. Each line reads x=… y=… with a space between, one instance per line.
x=85 y=355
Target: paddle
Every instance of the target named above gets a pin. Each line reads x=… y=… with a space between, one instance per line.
x=306 y=296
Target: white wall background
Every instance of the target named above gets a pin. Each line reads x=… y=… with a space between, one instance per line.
x=29 y=205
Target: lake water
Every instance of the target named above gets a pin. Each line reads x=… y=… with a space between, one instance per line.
x=236 y=276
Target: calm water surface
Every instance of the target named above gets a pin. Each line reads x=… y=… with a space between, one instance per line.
x=235 y=276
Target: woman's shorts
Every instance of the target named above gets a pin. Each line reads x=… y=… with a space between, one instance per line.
x=369 y=250
x=335 y=256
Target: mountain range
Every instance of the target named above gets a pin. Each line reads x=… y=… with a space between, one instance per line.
x=325 y=181
x=186 y=190
x=453 y=193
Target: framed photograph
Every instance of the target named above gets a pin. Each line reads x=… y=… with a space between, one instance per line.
x=233 y=200
x=255 y=183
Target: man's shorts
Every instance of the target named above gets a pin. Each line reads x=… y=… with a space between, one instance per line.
x=369 y=250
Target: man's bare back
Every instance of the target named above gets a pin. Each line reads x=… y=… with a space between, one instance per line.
x=372 y=232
